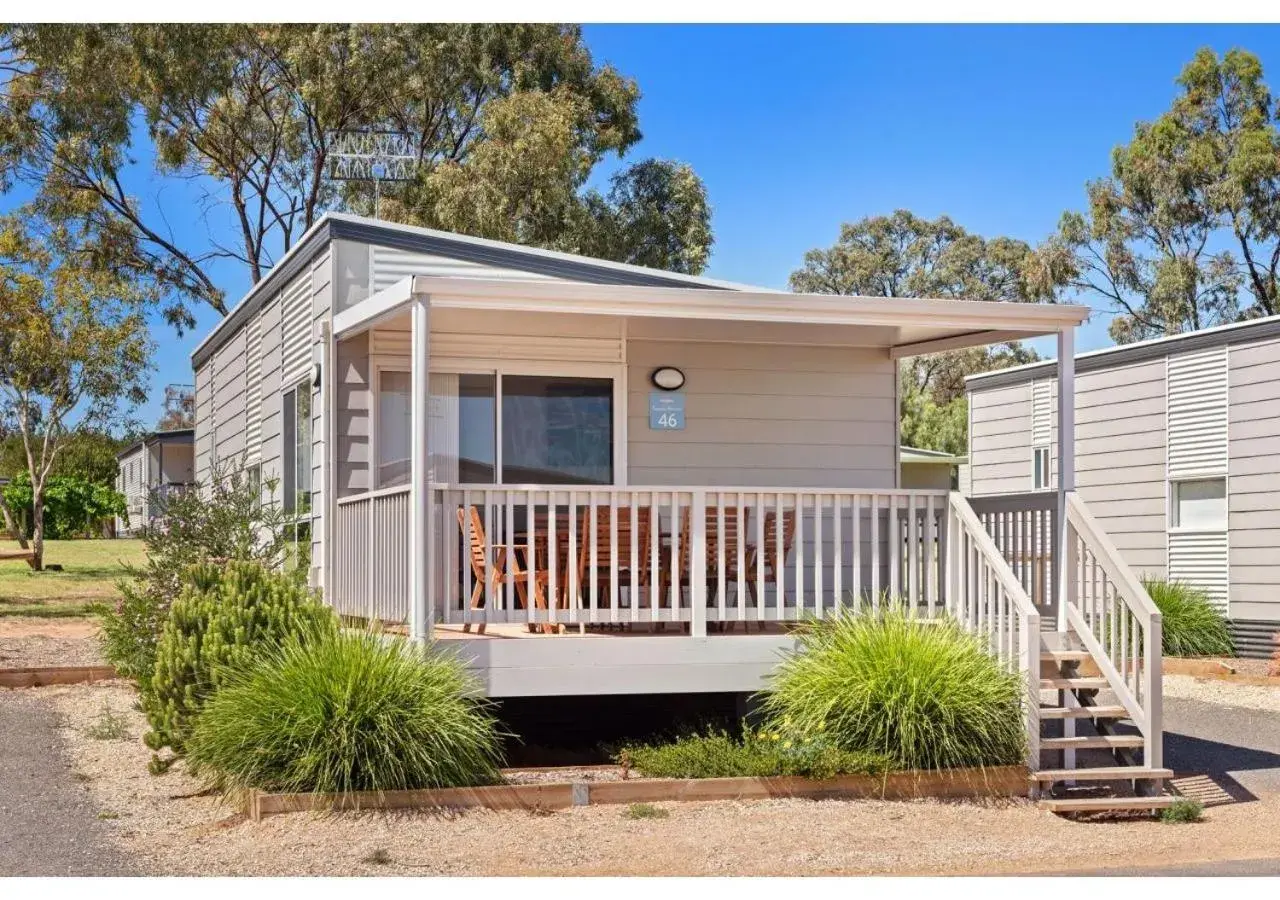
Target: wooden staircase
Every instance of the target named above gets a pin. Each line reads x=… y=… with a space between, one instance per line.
x=1077 y=722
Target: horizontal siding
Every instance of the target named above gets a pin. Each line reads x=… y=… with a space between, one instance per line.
x=1200 y=558
x=204 y=422
x=390 y=265
x=1253 y=483
x=786 y=416
x=1000 y=442
x=1198 y=412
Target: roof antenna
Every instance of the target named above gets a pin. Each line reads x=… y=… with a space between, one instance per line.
x=375 y=156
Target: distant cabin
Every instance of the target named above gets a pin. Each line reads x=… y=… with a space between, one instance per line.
x=150 y=471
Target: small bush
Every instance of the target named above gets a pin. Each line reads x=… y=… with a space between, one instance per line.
x=760 y=754
x=1182 y=811
x=1192 y=625
x=925 y=695
x=646 y=811
x=347 y=712
x=108 y=726
x=225 y=519
x=225 y=619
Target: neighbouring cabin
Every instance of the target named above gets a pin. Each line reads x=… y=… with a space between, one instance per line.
x=150 y=471
x=588 y=478
x=1177 y=449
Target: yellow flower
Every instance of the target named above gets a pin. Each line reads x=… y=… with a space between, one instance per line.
x=774 y=736
x=786 y=745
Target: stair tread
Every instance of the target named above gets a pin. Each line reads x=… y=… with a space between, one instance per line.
x=1064 y=655
x=1101 y=773
x=1092 y=741
x=1082 y=682
x=1083 y=712
x=1102 y=804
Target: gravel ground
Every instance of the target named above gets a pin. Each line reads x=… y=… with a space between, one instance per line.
x=167 y=830
x=26 y=641
x=1212 y=690
x=50 y=823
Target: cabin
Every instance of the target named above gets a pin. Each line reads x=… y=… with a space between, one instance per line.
x=151 y=470
x=596 y=480
x=1177 y=452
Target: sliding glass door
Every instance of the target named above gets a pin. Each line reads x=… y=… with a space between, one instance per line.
x=502 y=428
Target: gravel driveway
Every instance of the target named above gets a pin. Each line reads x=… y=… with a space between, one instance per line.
x=1235 y=739
x=50 y=824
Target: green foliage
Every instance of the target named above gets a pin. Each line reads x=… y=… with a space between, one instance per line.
x=109 y=726
x=225 y=619
x=225 y=519
x=1182 y=811
x=88 y=455
x=903 y=255
x=762 y=754
x=645 y=811
x=350 y=711
x=73 y=506
x=1191 y=624
x=507 y=120
x=74 y=349
x=928 y=695
x=1185 y=232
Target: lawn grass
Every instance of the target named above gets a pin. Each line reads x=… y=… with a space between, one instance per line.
x=91 y=570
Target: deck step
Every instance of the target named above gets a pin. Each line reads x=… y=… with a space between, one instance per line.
x=1075 y=684
x=1061 y=656
x=1092 y=742
x=1102 y=773
x=1083 y=712
x=1104 y=804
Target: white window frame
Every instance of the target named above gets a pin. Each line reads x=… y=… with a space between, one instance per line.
x=617 y=373
x=1047 y=470
x=1171 y=504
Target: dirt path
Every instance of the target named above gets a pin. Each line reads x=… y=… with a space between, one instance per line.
x=50 y=822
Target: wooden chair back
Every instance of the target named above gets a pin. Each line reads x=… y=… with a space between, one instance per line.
x=640 y=525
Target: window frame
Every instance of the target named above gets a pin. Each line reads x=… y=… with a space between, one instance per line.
x=289 y=455
x=616 y=373
x=1173 y=518
x=1036 y=452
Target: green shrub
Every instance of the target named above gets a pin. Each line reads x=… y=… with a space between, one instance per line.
x=927 y=695
x=109 y=726
x=226 y=519
x=646 y=811
x=1192 y=625
x=347 y=712
x=763 y=754
x=225 y=619
x=1182 y=811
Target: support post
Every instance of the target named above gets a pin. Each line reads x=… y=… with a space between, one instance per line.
x=698 y=562
x=1064 y=579
x=329 y=478
x=420 y=613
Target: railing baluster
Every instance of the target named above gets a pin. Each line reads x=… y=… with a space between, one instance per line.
x=799 y=560
x=895 y=550
x=722 y=527
x=615 y=591
x=875 y=553
x=779 y=568
x=856 y=530
x=741 y=568
x=837 y=546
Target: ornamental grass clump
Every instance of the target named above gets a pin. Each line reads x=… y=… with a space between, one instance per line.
x=224 y=620
x=349 y=711
x=1191 y=624
x=927 y=695
x=757 y=754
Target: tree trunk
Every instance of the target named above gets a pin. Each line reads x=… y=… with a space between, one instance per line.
x=19 y=533
x=37 y=530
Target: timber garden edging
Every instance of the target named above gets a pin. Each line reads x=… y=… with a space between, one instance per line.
x=43 y=676
x=977 y=783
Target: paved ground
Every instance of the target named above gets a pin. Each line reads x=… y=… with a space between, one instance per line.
x=1250 y=867
x=1239 y=748
x=49 y=825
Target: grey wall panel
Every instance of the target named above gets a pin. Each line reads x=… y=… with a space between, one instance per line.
x=786 y=416
x=1253 y=454
x=353 y=397
x=1000 y=442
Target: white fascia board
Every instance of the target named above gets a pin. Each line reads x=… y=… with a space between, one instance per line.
x=388 y=302
x=962 y=316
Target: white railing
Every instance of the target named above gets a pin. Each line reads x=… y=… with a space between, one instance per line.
x=1025 y=528
x=987 y=598
x=1115 y=618
x=371 y=556
x=582 y=556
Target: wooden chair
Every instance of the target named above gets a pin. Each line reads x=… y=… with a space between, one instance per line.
x=605 y=561
x=506 y=567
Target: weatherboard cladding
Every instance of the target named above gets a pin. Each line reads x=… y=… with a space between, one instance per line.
x=530 y=263
x=1197 y=410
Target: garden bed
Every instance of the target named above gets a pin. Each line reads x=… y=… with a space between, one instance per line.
x=1001 y=782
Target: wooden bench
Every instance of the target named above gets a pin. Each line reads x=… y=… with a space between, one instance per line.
x=28 y=555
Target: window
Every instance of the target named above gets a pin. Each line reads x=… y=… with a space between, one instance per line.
x=297 y=450
x=1200 y=504
x=518 y=429
x=1040 y=458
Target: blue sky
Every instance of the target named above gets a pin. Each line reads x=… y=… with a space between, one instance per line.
x=796 y=129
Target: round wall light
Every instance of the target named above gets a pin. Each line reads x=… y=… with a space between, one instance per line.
x=667 y=378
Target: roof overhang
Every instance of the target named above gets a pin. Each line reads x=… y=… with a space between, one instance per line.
x=906 y=327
